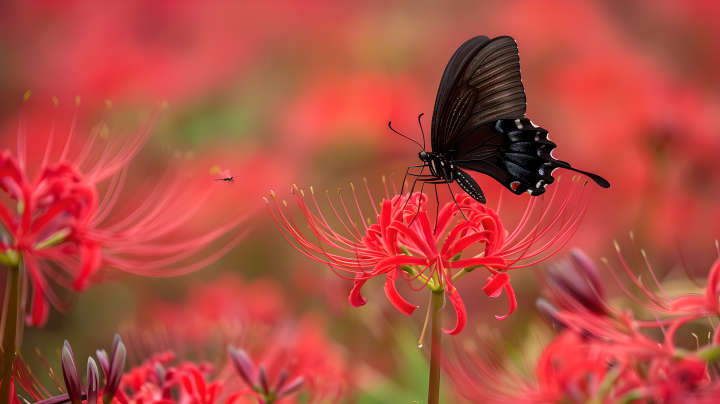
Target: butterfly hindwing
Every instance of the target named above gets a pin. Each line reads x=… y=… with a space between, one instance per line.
x=516 y=153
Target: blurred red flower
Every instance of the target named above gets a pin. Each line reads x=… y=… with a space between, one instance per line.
x=336 y=107
x=57 y=216
x=404 y=244
x=226 y=302
x=290 y=361
x=279 y=363
x=600 y=355
x=130 y=50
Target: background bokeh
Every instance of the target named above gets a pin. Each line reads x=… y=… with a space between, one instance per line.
x=290 y=92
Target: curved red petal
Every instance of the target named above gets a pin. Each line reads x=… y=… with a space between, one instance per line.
x=90 y=262
x=713 y=282
x=513 y=302
x=40 y=309
x=355 y=299
x=392 y=294
x=496 y=283
x=459 y=306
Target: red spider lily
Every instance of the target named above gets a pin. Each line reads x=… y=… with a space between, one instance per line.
x=294 y=359
x=247 y=316
x=403 y=244
x=112 y=368
x=684 y=309
x=59 y=218
x=271 y=364
x=156 y=381
x=601 y=356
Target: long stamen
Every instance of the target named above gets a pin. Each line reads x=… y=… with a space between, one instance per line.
x=357 y=203
x=387 y=194
x=372 y=202
x=22 y=132
x=51 y=138
x=71 y=134
x=342 y=202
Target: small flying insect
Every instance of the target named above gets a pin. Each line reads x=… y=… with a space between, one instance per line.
x=227 y=177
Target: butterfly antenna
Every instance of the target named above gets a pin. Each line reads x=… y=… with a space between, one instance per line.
x=391 y=128
x=421 y=129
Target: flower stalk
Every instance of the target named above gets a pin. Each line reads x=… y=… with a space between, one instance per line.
x=10 y=330
x=438 y=301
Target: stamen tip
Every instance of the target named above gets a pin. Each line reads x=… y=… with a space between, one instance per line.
x=383 y=178
x=603 y=259
x=27 y=95
x=266 y=201
x=365 y=179
x=311 y=190
x=165 y=105
x=302 y=193
x=352 y=186
x=55 y=101
x=585 y=183
x=272 y=194
x=642 y=251
x=108 y=104
x=326 y=192
x=338 y=191
x=617 y=246
x=284 y=203
x=77 y=100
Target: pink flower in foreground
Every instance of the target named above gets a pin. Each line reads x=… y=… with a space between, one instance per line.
x=57 y=216
x=403 y=244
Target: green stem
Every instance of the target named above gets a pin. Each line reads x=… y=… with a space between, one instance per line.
x=11 y=319
x=464 y=271
x=438 y=299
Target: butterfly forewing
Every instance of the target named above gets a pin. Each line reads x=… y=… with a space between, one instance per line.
x=481 y=83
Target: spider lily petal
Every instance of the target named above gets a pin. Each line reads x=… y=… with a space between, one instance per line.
x=65 y=233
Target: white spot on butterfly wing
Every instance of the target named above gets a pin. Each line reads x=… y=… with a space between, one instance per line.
x=518 y=124
x=533 y=125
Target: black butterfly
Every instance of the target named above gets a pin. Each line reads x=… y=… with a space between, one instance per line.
x=479 y=124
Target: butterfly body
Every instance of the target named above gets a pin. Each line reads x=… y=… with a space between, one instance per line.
x=479 y=124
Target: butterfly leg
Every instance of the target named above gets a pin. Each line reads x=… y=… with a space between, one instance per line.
x=411 y=189
x=408 y=172
x=418 y=209
x=437 y=206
